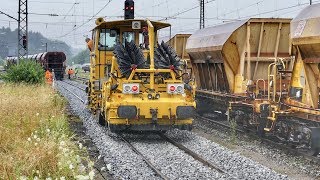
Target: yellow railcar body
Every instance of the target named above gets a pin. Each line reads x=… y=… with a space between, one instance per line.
x=153 y=108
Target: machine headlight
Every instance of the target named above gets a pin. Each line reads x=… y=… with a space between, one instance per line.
x=175 y=88
x=179 y=89
x=131 y=88
x=127 y=88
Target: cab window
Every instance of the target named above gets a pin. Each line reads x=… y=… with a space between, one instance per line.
x=108 y=39
x=127 y=36
x=141 y=39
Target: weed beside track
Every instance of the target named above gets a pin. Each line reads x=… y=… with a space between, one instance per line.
x=35 y=139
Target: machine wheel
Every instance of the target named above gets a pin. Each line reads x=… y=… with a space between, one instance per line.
x=101 y=118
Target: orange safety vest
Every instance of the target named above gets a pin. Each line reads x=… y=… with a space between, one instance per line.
x=90 y=45
x=48 y=77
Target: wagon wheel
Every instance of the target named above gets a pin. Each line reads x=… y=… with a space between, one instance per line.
x=316 y=152
x=261 y=126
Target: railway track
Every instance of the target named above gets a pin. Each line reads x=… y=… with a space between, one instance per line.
x=82 y=79
x=156 y=170
x=188 y=151
x=193 y=154
x=83 y=89
x=75 y=95
x=297 y=152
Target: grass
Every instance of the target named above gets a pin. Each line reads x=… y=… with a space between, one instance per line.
x=233 y=130
x=26 y=71
x=35 y=139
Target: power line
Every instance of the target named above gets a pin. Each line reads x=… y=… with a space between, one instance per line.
x=52 y=2
x=218 y=17
x=1 y=12
x=44 y=23
x=250 y=5
x=69 y=10
x=266 y=12
x=43 y=14
x=46 y=14
x=184 y=11
x=77 y=27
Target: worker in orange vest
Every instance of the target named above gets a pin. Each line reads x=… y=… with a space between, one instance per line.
x=89 y=43
x=48 y=77
x=69 y=73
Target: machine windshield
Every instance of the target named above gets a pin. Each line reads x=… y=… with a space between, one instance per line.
x=108 y=39
x=127 y=36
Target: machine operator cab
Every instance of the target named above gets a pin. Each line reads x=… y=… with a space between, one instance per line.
x=132 y=30
x=135 y=82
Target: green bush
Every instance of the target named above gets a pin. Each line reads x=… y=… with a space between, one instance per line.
x=25 y=72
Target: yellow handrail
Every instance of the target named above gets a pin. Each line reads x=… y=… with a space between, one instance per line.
x=264 y=85
x=274 y=81
x=151 y=47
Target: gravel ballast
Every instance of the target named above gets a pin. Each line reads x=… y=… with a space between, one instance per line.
x=237 y=165
x=171 y=161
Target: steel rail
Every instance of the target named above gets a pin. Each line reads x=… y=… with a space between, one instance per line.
x=83 y=101
x=193 y=154
x=82 y=78
x=83 y=89
x=157 y=171
x=97 y=169
x=252 y=133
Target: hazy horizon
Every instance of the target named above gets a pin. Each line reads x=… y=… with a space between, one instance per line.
x=71 y=25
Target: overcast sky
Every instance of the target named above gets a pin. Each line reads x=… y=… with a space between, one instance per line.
x=74 y=14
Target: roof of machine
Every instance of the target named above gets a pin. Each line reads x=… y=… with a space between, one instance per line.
x=112 y=24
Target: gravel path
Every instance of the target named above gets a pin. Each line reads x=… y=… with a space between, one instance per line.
x=121 y=161
x=237 y=165
x=171 y=161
